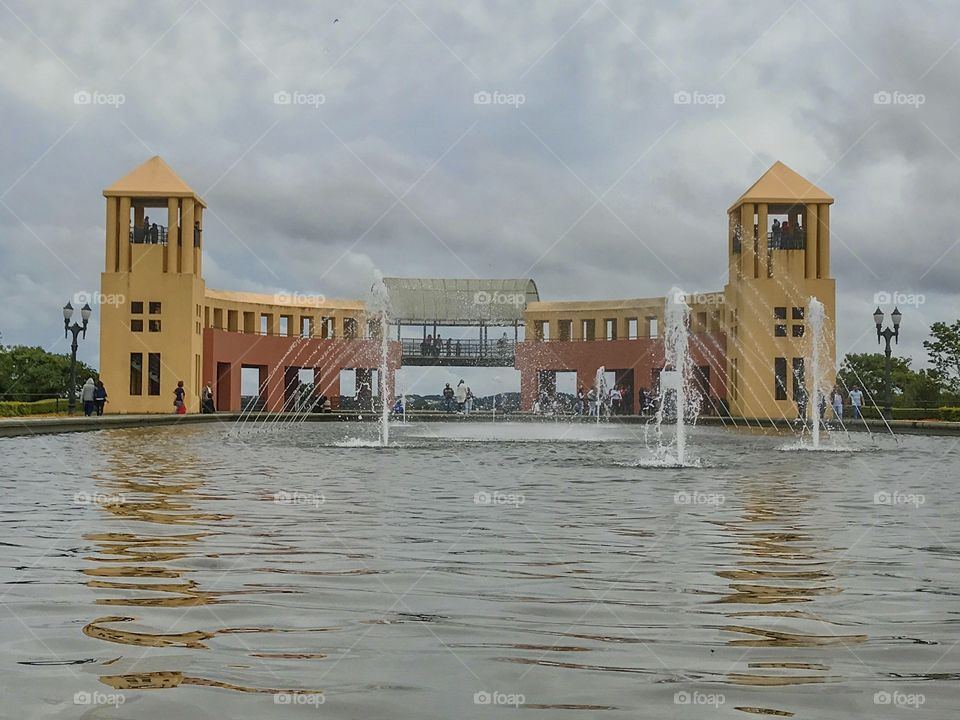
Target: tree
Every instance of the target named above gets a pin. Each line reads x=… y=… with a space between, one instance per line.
x=944 y=352
x=867 y=371
x=32 y=373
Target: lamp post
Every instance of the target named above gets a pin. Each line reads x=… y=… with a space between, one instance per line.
x=886 y=333
x=76 y=329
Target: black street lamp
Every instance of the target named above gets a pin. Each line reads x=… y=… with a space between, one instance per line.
x=76 y=329
x=886 y=333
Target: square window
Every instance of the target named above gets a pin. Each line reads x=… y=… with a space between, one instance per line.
x=780 y=330
x=780 y=313
x=154 y=326
x=136 y=307
x=154 y=308
x=798 y=313
x=798 y=330
x=136 y=326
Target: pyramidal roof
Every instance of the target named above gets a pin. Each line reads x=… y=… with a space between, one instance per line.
x=781 y=185
x=154 y=178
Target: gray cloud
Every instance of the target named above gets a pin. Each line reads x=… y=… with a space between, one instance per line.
x=298 y=192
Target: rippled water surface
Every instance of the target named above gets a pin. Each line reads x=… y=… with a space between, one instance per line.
x=476 y=571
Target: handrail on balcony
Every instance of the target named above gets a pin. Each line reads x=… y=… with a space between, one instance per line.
x=152 y=234
x=450 y=348
x=791 y=239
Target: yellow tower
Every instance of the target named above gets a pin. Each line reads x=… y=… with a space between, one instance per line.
x=779 y=257
x=151 y=336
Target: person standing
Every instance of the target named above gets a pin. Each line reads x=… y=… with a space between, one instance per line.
x=99 y=397
x=856 y=400
x=178 y=399
x=468 y=403
x=616 y=397
x=448 y=398
x=836 y=399
x=461 y=395
x=87 y=397
x=206 y=399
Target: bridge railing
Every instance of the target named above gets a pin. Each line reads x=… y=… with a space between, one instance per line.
x=450 y=348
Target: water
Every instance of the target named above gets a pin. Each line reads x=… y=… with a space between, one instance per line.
x=676 y=378
x=380 y=304
x=466 y=558
x=818 y=368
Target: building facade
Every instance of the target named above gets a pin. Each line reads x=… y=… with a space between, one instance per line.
x=748 y=341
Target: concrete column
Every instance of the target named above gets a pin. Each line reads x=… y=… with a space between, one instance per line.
x=763 y=259
x=810 y=253
x=746 y=241
x=172 y=262
x=528 y=388
x=823 y=241
x=110 y=264
x=198 y=251
x=186 y=240
x=274 y=389
x=123 y=227
x=327 y=382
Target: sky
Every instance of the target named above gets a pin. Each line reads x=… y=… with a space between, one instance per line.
x=547 y=138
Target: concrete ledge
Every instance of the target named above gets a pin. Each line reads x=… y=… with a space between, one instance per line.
x=10 y=427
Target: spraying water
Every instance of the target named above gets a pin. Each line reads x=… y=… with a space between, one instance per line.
x=601 y=389
x=381 y=306
x=677 y=376
x=815 y=361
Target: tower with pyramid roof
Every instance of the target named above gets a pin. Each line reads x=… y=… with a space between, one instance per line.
x=151 y=330
x=779 y=257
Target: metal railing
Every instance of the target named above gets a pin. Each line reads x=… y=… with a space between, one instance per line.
x=450 y=348
x=148 y=235
x=792 y=239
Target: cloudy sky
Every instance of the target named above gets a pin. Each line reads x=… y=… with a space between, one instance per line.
x=584 y=172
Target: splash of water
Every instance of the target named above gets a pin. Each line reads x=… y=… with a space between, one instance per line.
x=676 y=377
x=815 y=361
x=380 y=305
x=601 y=389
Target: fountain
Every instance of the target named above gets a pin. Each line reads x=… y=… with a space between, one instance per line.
x=600 y=386
x=676 y=377
x=380 y=305
x=815 y=362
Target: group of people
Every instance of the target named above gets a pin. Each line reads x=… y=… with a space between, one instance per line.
x=615 y=401
x=434 y=346
x=93 y=395
x=459 y=400
x=785 y=230
x=855 y=396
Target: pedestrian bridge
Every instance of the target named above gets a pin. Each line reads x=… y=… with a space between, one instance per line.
x=458 y=353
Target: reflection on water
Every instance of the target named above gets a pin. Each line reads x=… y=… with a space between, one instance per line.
x=263 y=576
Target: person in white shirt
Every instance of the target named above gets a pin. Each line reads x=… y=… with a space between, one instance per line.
x=461 y=396
x=836 y=399
x=856 y=400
